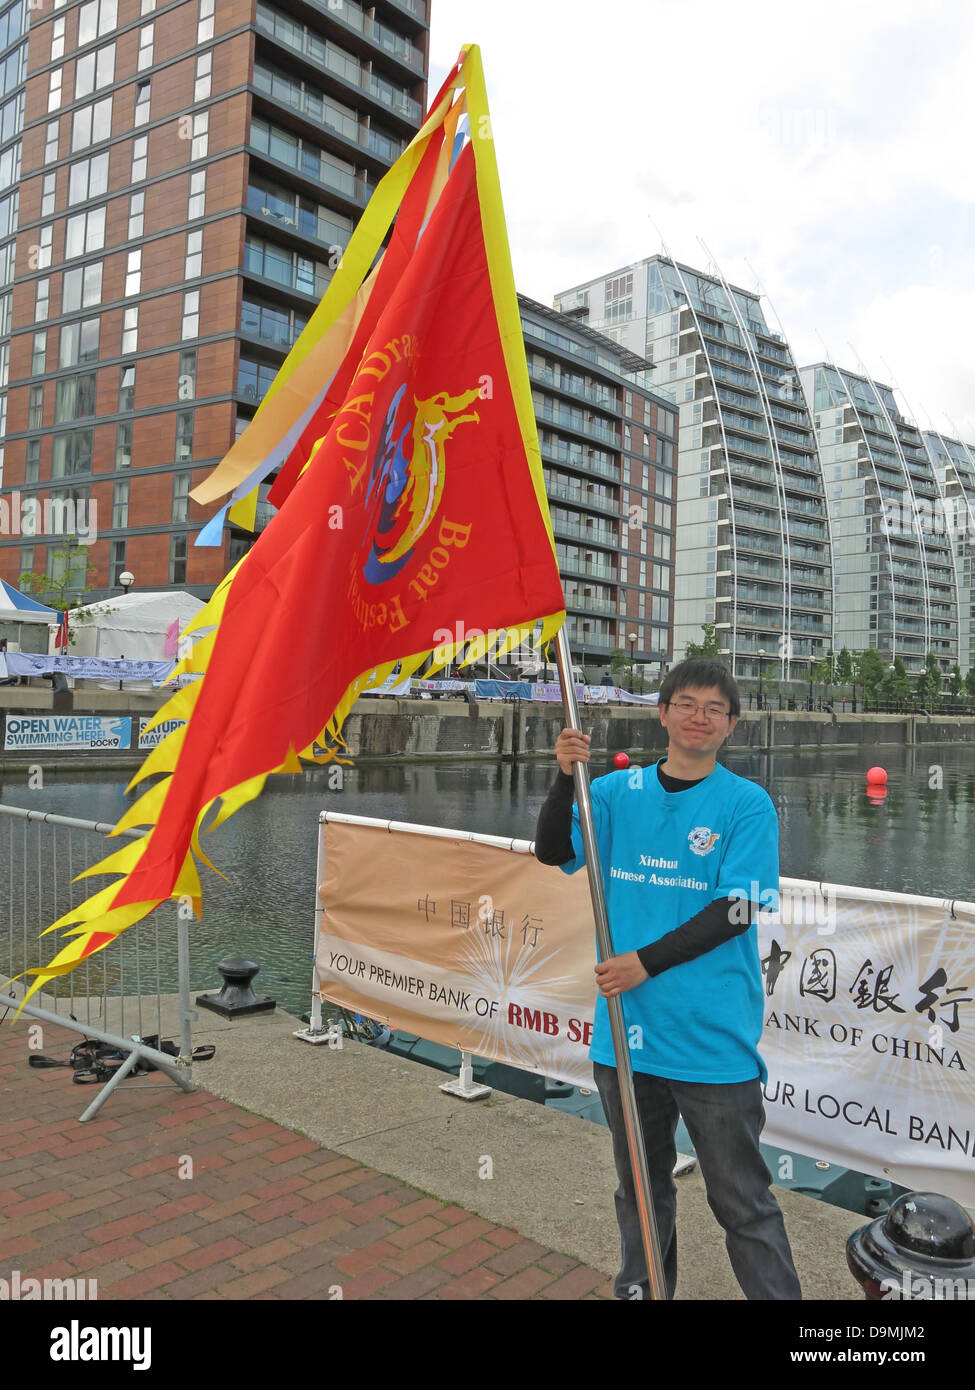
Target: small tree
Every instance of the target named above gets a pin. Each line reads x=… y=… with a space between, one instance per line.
x=898 y=681
x=970 y=684
x=955 y=682
x=618 y=662
x=844 y=667
x=871 y=672
x=708 y=648
x=56 y=591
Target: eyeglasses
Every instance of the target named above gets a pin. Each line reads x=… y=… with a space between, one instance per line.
x=685 y=708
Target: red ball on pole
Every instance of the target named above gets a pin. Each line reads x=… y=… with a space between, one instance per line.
x=621 y=760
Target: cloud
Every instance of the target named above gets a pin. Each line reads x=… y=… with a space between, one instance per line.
x=824 y=155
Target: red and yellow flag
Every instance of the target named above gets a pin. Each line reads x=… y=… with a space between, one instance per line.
x=411 y=503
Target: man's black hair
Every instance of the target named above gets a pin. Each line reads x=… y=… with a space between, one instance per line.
x=701 y=673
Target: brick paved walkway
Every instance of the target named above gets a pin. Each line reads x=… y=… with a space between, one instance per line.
x=265 y=1214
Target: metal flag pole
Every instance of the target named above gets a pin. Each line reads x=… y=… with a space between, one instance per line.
x=624 y=1072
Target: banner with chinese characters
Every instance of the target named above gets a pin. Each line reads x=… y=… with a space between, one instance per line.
x=464 y=943
x=869 y=1010
x=868 y=1034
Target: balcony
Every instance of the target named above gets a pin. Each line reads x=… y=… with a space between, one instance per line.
x=590 y=534
x=573 y=420
x=345 y=66
x=575 y=458
x=580 y=498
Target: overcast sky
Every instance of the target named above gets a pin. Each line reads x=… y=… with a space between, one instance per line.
x=822 y=152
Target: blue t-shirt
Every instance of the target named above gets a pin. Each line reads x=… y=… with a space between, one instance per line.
x=665 y=856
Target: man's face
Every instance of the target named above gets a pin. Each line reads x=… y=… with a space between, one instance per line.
x=693 y=722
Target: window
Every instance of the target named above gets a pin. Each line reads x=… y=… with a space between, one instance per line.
x=35 y=410
x=181 y=497
x=198 y=183
x=47 y=195
x=130 y=330
x=126 y=389
x=145 y=47
x=137 y=203
x=68 y=567
x=10 y=161
x=200 y=142
x=123 y=445
x=79 y=343
x=40 y=252
x=51 y=142
x=81 y=287
x=39 y=354
x=140 y=152
x=43 y=291
x=148 y=6
x=95 y=19
x=117 y=563
x=120 y=506
x=71 y=453
x=54 y=90
x=190 y=327
x=133 y=273
x=177 y=555
x=194 y=255
x=184 y=440
x=57 y=39
x=75 y=399
x=84 y=233
x=94 y=71
x=186 y=385
x=204 y=29
x=91 y=124
x=142 y=95
x=88 y=178
x=32 y=467
x=204 y=71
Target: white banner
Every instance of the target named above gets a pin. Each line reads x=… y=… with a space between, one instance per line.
x=869 y=1016
x=88 y=667
x=869 y=1034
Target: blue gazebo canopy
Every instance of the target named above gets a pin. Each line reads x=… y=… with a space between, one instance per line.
x=15 y=605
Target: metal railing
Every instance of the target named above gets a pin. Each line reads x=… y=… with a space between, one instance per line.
x=122 y=985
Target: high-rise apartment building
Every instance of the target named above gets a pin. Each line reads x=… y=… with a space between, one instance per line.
x=896 y=582
x=953 y=516
x=177 y=182
x=608 y=451
x=753 y=546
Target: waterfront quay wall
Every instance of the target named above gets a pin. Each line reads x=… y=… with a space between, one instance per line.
x=442 y=729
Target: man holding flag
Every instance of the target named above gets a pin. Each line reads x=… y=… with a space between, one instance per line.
x=684 y=845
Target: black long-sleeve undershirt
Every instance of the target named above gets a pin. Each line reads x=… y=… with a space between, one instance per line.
x=715 y=924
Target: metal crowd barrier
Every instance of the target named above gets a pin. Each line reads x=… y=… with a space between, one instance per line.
x=116 y=996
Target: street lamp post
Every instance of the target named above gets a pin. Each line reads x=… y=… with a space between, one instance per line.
x=632 y=641
x=761 y=678
x=126 y=579
x=810 y=687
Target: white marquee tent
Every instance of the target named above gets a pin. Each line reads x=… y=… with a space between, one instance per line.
x=133 y=625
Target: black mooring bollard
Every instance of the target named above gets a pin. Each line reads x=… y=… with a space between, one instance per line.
x=922 y=1248
x=236 y=998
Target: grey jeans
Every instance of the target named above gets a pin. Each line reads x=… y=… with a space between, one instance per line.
x=724 y=1122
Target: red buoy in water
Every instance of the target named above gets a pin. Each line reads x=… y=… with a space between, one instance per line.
x=621 y=760
x=875 y=776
